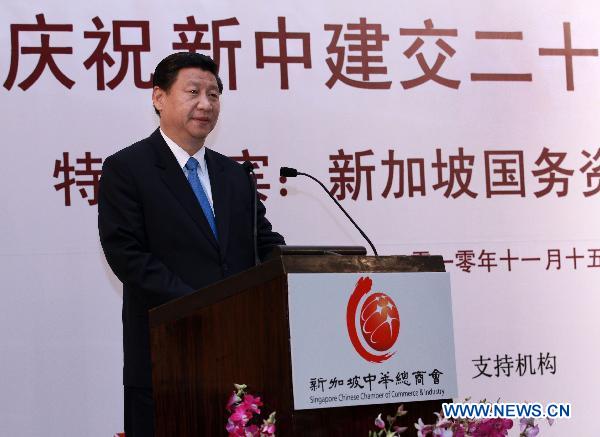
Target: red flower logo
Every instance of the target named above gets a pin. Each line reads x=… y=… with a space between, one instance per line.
x=378 y=322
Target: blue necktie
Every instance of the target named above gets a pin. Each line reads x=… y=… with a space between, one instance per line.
x=194 y=180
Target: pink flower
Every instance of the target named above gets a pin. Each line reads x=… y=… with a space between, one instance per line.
x=492 y=428
x=233 y=399
x=442 y=432
x=268 y=429
x=532 y=431
x=234 y=430
x=459 y=430
x=442 y=422
x=528 y=427
x=524 y=423
x=242 y=412
x=240 y=416
x=422 y=429
x=252 y=403
x=230 y=427
x=379 y=423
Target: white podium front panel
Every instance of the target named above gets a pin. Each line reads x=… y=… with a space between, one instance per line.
x=370 y=338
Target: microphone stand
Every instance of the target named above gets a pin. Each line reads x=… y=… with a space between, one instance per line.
x=250 y=171
x=292 y=172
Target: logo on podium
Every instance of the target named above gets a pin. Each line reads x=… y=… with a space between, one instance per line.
x=373 y=322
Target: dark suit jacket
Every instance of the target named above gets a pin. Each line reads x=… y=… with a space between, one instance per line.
x=158 y=242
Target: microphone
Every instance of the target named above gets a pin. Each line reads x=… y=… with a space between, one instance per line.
x=289 y=172
x=247 y=165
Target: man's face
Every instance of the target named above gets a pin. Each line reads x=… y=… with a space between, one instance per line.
x=190 y=109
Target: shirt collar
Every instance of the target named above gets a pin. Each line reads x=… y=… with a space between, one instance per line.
x=182 y=156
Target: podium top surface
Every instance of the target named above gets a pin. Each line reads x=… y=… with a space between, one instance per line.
x=281 y=266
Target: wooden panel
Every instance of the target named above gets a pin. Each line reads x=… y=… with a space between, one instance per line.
x=225 y=289
x=196 y=360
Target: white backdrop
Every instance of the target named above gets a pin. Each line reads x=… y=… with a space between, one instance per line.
x=60 y=347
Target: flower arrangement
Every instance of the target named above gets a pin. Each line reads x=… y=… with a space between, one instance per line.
x=244 y=410
x=244 y=421
x=465 y=427
x=445 y=427
x=391 y=429
x=528 y=428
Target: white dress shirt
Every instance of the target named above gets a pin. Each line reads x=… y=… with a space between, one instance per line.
x=182 y=158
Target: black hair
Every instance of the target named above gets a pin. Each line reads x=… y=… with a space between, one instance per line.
x=167 y=69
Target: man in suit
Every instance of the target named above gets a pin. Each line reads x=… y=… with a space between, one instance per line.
x=174 y=216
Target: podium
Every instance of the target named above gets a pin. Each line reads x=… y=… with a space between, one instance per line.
x=237 y=331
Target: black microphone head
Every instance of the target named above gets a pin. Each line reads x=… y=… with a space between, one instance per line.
x=248 y=166
x=288 y=172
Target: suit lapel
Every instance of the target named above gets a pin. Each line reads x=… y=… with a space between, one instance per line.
x=173 y=176
x=221 y=197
